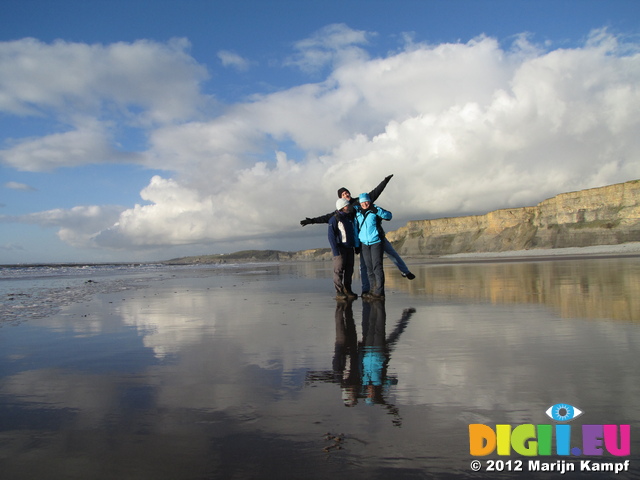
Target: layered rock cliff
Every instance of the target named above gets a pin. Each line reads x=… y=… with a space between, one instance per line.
x=599 y=216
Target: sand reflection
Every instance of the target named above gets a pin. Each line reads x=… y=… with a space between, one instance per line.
x=596 y=288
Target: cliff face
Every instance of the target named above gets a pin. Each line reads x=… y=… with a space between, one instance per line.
x=598 y=216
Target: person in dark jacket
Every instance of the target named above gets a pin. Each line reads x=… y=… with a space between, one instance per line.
x=343 y=240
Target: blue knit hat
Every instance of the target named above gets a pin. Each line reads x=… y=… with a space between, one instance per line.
x=364 y=197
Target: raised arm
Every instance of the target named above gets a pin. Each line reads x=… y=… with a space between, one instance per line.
x=375 y=193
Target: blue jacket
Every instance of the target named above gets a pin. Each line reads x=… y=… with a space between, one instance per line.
x=336 y=235
x=368 y=223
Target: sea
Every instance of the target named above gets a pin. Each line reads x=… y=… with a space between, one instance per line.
x=40 y=290
x=477 y=368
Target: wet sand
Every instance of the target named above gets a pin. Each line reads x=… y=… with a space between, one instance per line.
x=257 y=372
x=623 y=250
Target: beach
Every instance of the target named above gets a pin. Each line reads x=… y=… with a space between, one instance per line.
x=256 y=371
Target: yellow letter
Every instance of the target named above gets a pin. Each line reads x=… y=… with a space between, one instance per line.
x=503 y=432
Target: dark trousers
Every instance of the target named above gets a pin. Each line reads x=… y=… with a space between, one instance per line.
x=343 y=269
x=373 y=260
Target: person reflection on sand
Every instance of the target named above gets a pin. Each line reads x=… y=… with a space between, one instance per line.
x=361 y=368
x=374 y=356
x=346 y=369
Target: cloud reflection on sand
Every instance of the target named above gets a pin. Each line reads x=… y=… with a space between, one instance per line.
x=171 y=322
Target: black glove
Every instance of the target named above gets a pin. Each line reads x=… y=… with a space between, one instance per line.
x=306 y=221
x=373 y=209
x=357 y=250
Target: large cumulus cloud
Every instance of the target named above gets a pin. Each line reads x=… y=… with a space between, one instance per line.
x=465 y=128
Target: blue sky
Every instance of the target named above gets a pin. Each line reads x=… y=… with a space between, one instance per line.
x=146 y=130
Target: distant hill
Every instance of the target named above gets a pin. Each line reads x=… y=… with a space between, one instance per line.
x=251 y=256
x=597 y=216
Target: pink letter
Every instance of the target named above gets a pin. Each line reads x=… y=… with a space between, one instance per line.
x=611 y=436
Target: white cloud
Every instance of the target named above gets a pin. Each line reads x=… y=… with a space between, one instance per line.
x=465 y=128
x=19 y=186
x=94 y=94
x=145 y=80
x=334 y=44
x=231 y=59
x=89 y=143
x=217 y=148
x=76 y=226
x=256 y=204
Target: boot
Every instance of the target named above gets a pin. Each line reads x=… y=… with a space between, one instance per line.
x=349 y=293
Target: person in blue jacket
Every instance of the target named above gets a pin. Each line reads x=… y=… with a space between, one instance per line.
x=343 y=241
x=371 y=236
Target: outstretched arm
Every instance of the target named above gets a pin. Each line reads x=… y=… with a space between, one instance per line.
x=321 y=219
x=375 y=193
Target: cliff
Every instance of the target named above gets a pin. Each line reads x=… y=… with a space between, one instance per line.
x=599 y=216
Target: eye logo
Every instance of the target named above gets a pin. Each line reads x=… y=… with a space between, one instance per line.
x=563 y=412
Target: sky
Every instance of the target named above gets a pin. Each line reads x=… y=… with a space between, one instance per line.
x=144 y=130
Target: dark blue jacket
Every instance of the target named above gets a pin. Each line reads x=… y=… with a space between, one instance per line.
x=335 y=234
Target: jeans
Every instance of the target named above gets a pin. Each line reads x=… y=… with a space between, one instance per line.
x=373 y=260
x=393 y=256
